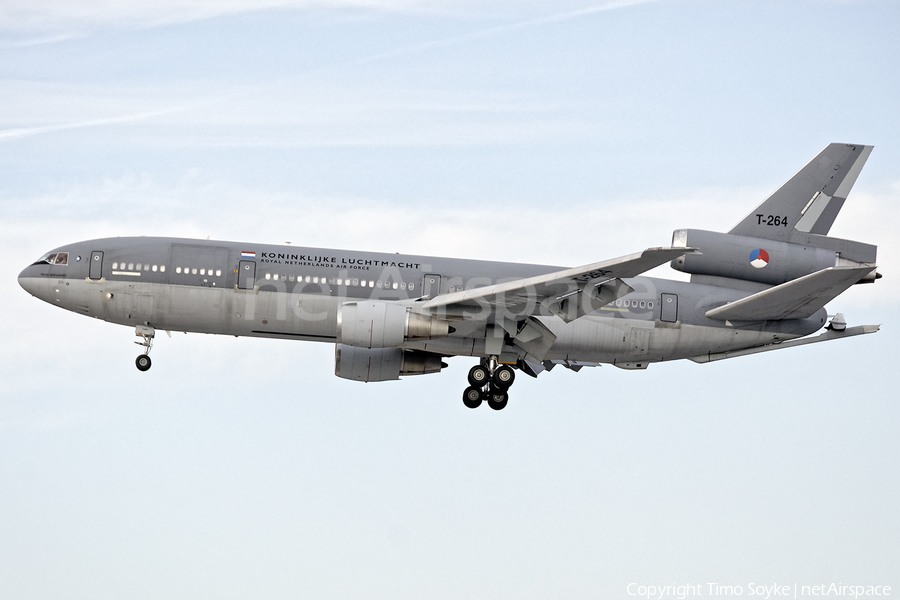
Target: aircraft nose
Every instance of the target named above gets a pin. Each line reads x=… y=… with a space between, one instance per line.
x=28 y=280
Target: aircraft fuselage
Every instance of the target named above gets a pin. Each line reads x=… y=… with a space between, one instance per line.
x=291 y=292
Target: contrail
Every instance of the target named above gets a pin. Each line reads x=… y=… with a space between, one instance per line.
x=8 y=135
x=499 y=29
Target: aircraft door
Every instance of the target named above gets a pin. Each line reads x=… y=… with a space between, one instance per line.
x=432 y=285
x=246 y=274
x=96 y=268
x=669 y=308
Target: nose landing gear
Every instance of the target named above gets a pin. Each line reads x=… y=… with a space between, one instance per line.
x=488 y=381
x=142 y=362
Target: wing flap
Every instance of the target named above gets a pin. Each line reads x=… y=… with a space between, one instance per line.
x=797 y=299
x=521 y=293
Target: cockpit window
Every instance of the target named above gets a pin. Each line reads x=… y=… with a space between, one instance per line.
x=57 y=258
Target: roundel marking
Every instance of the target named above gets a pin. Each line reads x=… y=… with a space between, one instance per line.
x=759 y=258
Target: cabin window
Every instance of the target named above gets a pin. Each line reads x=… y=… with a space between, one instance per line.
x=137 y=267
x=218 y=272
x=162 y=268
x=115 y=266
x=154 y=268
x=178 y=269
x=203 y=271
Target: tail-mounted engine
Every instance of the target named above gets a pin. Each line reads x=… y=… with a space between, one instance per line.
x=765 y=260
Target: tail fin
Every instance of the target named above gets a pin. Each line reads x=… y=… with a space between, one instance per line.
x=810 y=200
x=786 y=237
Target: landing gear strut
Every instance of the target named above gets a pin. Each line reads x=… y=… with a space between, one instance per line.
x=488 y=381
x=142 y=362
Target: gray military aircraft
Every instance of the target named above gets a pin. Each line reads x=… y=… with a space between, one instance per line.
x=762 y=286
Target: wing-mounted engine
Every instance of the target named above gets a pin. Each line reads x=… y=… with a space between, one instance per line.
x=382 y=364
x=372 y=324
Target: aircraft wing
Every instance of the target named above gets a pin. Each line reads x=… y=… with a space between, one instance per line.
x=570 y=293
x=795 y=299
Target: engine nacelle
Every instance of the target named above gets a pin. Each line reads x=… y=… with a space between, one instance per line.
x=747 y=258
x=372 y=324
x=382 y=364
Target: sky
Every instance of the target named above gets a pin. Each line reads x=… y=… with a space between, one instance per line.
x=558 y=133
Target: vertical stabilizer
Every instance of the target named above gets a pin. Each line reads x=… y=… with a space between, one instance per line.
x=809 y=201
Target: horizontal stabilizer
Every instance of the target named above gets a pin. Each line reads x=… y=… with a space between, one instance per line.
x=797 y=299
x=824 y=337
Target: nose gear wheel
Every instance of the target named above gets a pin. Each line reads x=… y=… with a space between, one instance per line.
x=143 y=362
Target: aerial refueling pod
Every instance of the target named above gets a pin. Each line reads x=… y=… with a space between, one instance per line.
x=372 y=324
x=382 y=364
x=764 y=260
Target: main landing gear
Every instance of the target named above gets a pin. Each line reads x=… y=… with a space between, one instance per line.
x=489 y=381
x=142 y=362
